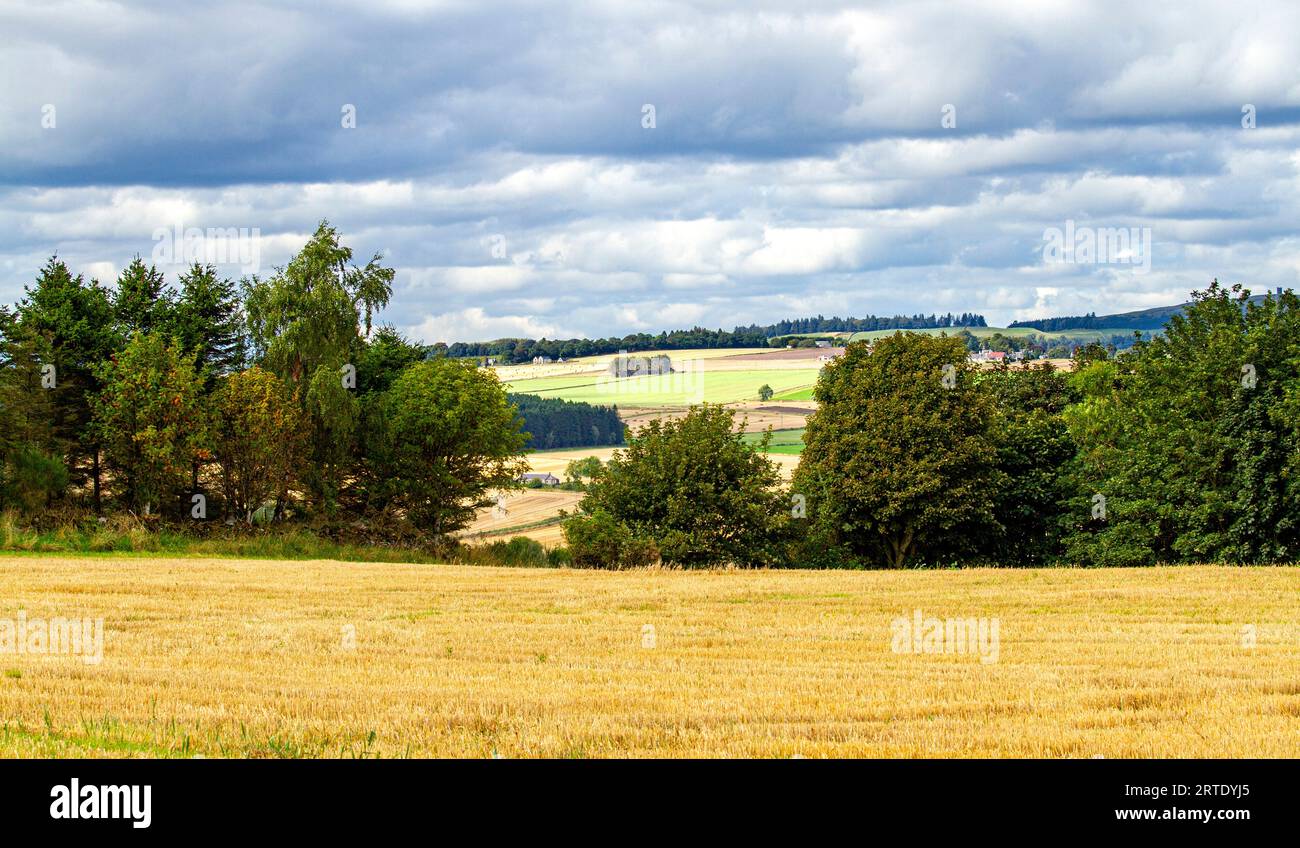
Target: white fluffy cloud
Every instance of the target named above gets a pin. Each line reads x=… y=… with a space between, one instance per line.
x=797 y=166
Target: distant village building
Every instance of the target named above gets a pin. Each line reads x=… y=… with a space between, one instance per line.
x=546 y=479
x=541 y=360
x=823 y=343
x=988 y=356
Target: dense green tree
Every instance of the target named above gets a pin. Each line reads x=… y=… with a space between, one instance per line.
x=208 y=319
x=69 y=325
x=384 y=356
x=583 y=469
x=26 y=406
x=307 y=324
x=314 y=311
x=695 y=488
x=900 y=458
x=331 y=413
x=765 y=392
x=557 y=423
x=1085 y=355
x=1190 y=440
x=257 y=439
x=1034 y=455
x=30 y=478
x=151 y=419
x=449 y=438
x=142 y=303
x=597 y=539
x=32 y=470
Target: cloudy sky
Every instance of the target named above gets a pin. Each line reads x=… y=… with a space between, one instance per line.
x=837 y=159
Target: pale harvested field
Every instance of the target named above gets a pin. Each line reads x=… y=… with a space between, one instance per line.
x=755 y=415
x=556 y=461
x=550 y=536
x=522 y=509
x=248 y=658
x=805 y=356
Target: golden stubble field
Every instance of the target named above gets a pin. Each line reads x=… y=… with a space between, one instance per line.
x=262 y=659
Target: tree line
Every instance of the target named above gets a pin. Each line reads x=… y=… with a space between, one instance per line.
x=1141 y=320
x=836 y=324
x=1134 y=321
x=1186 y=448
x=557 y=423
x=516 y=351
x=272 y=396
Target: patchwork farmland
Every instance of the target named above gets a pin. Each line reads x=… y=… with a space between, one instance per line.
x=727 y=376
x=715 y=376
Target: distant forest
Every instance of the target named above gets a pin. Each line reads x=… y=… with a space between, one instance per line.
x=555 y=423
x=1145 y=319
x=524 y=350
x=1091 y=321
x=821 y=324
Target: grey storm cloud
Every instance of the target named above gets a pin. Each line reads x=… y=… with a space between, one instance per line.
x=798 y=164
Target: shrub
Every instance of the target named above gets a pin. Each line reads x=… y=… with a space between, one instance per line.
x=520 y=551
x=598 y=540
x=813 y=551
x=696 y=488
x=32 y=478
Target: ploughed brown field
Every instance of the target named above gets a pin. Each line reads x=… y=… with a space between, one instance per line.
x=246 y=658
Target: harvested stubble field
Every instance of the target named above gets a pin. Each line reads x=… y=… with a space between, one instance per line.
x=525 y=510
x=249 y=658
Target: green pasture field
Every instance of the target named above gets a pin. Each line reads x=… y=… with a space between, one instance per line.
x=783 y=441
x=678 y=389
x=805 y=393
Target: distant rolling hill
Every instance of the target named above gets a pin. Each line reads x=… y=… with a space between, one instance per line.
x=1103 y=335
x=1142 y=319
